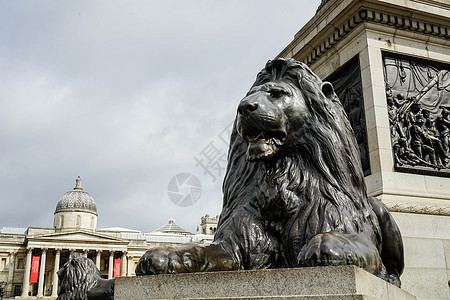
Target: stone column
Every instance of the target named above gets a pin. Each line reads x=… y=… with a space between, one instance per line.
x=98 y=259
x=85 y=252
x=26 y=274
x=55 y=273
x=111 y=265
x=123 y=264
x=40 y=292
x=12 y=256
x=130 y=265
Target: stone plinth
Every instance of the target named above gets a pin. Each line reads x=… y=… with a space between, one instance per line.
x=341 y=282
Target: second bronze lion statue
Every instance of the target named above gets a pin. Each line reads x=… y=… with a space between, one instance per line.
x=294 y=191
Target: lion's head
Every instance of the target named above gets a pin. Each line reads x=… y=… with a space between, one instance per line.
x=77 y=277
x=285 y=103
x=292 y=134
x=270 y=118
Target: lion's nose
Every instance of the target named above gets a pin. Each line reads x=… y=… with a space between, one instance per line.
x=246 y=107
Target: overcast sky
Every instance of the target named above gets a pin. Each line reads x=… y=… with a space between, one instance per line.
x=126 y=94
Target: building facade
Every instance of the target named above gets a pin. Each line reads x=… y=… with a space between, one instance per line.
x=30 y=257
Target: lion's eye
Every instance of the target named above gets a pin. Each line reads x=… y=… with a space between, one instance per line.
x=277 y=93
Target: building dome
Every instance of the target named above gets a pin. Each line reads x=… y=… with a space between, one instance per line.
x=77 y=200
x=76 y=210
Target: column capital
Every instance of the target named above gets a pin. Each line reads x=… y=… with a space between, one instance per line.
x=85 y=251
x=44 y=249
x=111 y=252
x=29 y=249
x=98 y=250
x=58 y=250
x=12 y=252
x=124 y=253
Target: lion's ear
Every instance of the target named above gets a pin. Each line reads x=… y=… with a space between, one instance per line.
x=328 y=90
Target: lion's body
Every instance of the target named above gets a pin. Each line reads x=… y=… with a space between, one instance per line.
x=283 y=218
x=294 y=190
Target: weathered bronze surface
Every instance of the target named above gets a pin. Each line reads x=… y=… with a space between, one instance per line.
x=80 y=280
x=294 y=191
x=418 y=98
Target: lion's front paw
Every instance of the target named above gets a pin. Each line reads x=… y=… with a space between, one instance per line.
x=167 y=260
x=334 y=248
x=161 y=260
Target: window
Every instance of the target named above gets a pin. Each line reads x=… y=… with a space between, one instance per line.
x=92 y=222
x=61 y=221
x=78 y=221
x=18 y=290
x=20 y=264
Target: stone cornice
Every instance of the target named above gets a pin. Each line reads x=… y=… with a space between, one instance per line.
x=309 y=48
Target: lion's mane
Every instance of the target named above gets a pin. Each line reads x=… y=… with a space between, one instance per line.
x=314 y=186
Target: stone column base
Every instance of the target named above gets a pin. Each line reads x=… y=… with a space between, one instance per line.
x=340 y=282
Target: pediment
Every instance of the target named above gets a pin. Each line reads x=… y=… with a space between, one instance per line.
x=78 y=236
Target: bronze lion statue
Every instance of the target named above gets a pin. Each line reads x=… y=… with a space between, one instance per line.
x=294 y=191
x=80 y=280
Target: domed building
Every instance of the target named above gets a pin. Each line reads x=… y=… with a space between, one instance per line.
x=30 y=257
x=76 y=210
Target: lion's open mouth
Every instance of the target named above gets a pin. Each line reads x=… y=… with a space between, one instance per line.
x=264 y=144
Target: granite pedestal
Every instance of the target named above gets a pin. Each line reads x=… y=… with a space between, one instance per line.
x=340 y=282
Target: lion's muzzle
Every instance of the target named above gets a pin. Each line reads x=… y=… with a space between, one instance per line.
x=261 y=124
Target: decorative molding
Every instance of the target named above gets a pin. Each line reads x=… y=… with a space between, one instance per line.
x=433 y=3
x=373 y=16
x=418 y=208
